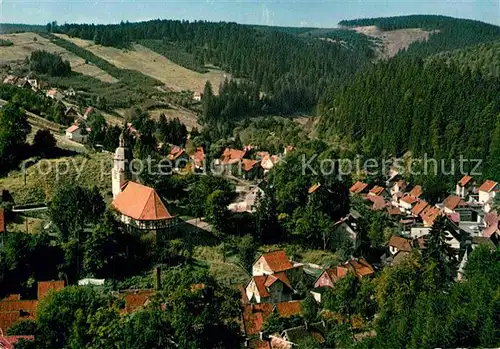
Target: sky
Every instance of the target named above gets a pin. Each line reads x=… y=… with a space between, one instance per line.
x=313 y=13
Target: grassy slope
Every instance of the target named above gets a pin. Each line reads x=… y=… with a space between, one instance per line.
x=24 y=44
x=40 y=187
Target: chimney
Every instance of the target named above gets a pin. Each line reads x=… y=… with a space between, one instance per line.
x=157 y=275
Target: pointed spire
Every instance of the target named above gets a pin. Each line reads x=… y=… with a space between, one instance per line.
x=122 y=140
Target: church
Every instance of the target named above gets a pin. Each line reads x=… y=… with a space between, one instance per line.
x=139 y=206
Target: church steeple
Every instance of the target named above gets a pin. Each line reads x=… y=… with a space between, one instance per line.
x=121 y=162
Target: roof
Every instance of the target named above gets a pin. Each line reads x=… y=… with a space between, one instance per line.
x=452 y=202
x=401 y=184
x=378 y=202
x=358 y=187
x=429 y=215
x=416 y=191
x=136 y=299
x=277 y=261
x=409 y=199
x=314 y=187
x=44 y=287
x=361 y=267
x=8 y=342
x=199 y=155
x=464 y=181
x=248 y=165
x=394 y=211
x=281 y=276
x=72 y=129
x=175 y=152
x=376 y=190
x=140 y=203
x=254 y=316
x=87 y=112
x=419 y=207
x=400 y=243
x=2 y=220
x=232 y=156
x=287 y=309
x=260 y=283
x=488 y=186
x=52 y=92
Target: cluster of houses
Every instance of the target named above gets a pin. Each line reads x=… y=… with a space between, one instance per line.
x=469 y=211
x=272 y=289
x=38 y=86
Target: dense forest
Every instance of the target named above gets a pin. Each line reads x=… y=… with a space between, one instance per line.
x=447 y=33
x=435 y=109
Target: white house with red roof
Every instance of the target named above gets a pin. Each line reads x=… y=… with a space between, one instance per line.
x=77 y=134
x=272 y=262
x=273 y=288
x=487 y=191
x=464 y=187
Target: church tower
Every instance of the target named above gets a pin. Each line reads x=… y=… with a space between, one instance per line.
x=121 y=162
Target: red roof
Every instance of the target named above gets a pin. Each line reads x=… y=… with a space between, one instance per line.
x=271 y=279
x=464 y=181
x=254 y=316
x=260 y=282
x=72 y=129
x=416 y=191
x=419 y=207
x=378 y=202
x=231 y=156
x=136 y=299
x=248 y=165
x=361 y=267
x=198 y=156
x=488 y=186
x=400 y=243
x=140 y=203
x=277 y=261
x=44 y=287
x=410 y=199
x=429 y=215
x=259 y=344
x=394 y=211
x=175 y=152
x=358 y=187
x=2 y=220
x=287 y=309
x=452 y=202
x=313 y=188
x=376 y=190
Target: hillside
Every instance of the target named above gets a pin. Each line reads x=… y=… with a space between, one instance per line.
x=26 y=43
x=150 y=63
x=447 y=33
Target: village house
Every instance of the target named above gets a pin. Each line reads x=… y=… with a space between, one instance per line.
x=272 y=288
x=11 y=80
x=273 y=262
x=249 y=201
x=358 y=267
x=417 y=210
x=251 y=169
x=70 y=92
x=178 y=157
x=399 y=249
x=54 y=94
x=232 y=156
x=288 y=149
x=198 y=158
x=407 y=202
x=267 y=161
x=347 y=226
x=71 y=113
x=398 y=187
x=464 y=187
x=376 y=191
x=358 y=188
x=77 y=134
x=487 y=192
x=197 y=96
x=452 y=202
x=139 y=206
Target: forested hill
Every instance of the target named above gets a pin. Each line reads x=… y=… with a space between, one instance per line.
x=281 y=63
x=483 y=58
x=448 y=33
x=438 y=109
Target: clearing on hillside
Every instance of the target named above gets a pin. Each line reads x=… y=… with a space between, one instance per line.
x=395 y=40
x=186 y=116
x=153 y=64
x=25 y=43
